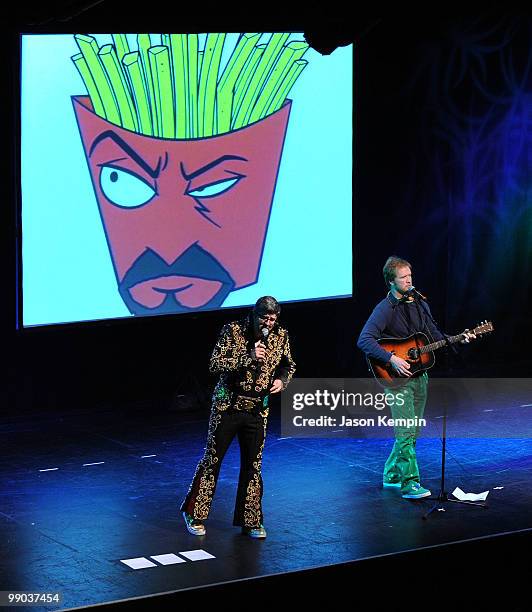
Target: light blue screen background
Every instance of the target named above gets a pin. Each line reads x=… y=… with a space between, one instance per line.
x=67 y=269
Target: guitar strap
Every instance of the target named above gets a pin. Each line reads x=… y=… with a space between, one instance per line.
x=405 y=313
x=407 y=318
x=423 y=315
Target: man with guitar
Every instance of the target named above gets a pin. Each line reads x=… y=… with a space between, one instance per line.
x=400 y=315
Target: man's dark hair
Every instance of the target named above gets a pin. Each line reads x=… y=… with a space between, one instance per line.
x=390 y=268
x=267 y=305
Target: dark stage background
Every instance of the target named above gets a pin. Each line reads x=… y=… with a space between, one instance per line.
x=442 y=177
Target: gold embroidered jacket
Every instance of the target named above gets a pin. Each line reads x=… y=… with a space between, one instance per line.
x=240 y=374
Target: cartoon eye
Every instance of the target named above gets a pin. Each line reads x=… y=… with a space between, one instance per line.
x=125 y=189
x=214 y=189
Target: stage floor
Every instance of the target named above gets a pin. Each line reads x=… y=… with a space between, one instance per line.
x=83 y=492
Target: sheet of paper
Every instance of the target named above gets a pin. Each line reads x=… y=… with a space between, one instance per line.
x=168 y=559
x=196 y=555
x=459 y=494
x=138 y=563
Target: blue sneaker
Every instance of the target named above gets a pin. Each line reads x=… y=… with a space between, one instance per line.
x=254 y=532
x=414 y=490
x=194 y=526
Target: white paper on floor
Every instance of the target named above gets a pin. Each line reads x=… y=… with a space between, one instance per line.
x=196 y=555
x=138 y=563
x=459 y=494
x=168 y=559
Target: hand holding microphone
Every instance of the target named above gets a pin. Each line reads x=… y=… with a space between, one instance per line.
x=259 y=351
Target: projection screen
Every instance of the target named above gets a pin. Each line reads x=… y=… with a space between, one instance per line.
x=171 y=173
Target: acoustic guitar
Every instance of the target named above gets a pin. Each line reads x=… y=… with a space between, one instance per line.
x=418 y=351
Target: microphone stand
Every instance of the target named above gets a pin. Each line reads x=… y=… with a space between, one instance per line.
x=443 y=495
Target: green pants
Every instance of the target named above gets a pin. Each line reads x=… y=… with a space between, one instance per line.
x=401 y=466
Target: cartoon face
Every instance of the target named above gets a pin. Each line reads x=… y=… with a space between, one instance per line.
x=185 y=220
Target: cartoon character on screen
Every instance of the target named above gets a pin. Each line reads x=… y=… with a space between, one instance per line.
x=184 y=157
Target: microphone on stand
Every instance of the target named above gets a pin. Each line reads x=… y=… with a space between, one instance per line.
x=412 y=291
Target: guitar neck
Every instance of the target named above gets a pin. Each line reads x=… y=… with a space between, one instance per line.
x=436 y=345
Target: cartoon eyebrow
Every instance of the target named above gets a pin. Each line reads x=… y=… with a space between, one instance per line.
x=127 y=149
x=203 y=169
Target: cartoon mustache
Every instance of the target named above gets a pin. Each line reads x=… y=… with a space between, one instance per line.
x=195 y=262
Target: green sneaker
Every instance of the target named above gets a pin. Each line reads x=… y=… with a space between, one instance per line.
x=414 y=490
x=194 y=526
x=255 y=532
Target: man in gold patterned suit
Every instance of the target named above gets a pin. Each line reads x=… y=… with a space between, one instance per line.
x=253 y=359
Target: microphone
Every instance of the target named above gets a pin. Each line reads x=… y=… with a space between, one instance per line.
x=412 y=291
x=265 y=331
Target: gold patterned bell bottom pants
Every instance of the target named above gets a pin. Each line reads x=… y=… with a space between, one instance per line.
x=224 y=426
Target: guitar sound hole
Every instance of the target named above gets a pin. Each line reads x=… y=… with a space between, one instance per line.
x=413 y=354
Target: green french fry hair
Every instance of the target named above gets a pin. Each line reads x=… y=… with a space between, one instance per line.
x=180 y=89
